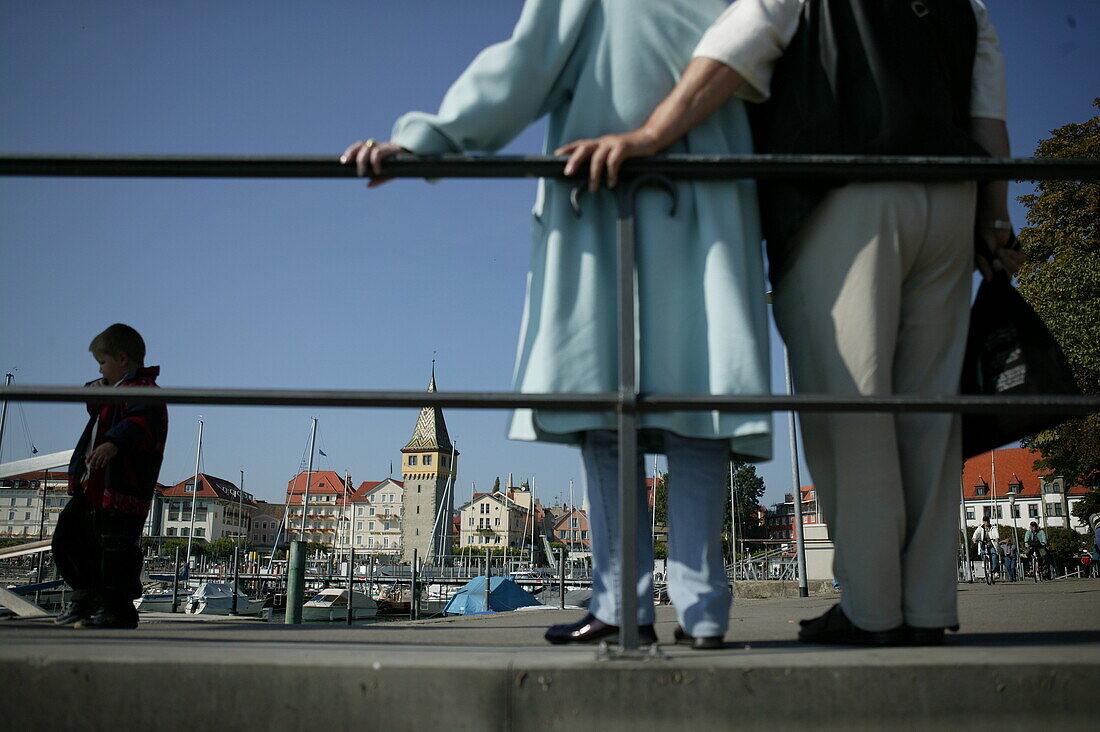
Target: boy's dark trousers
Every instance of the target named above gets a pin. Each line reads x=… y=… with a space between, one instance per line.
x=98 y=552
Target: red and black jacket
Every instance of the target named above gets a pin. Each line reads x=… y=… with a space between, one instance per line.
x=139 y=431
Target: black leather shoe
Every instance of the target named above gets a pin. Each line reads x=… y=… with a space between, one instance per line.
x=834 y=627
x=591 y=629
x=699 y=643
x=926 y=636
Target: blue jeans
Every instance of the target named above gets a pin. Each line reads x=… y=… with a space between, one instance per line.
x=993 y=557
x=697 y=582
x=1010 y=568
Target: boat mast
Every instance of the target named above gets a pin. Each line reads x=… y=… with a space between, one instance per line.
x=4 y=415
x=194 y=495
x=309 y=474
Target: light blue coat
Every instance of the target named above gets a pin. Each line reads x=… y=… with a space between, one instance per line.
x=599 y=66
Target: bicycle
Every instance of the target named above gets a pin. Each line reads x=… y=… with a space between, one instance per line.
x=1035 y=560
x=988 y=566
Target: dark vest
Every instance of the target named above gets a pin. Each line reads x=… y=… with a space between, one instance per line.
x=864 y=77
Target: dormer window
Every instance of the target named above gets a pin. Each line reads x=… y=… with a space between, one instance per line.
x=981 y=489
x=1015 y=487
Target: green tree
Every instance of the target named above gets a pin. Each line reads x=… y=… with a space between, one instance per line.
x=1087 y=507
x=749 y=489
x=496 y=484
x=223 y=548
x=1065 y=545
x=1062 y=282
x=198 y=548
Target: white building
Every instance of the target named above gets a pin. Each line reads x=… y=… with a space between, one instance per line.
x=222 y=510
x=23 y=504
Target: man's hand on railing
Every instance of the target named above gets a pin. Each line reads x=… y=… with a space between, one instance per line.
x=370 y=153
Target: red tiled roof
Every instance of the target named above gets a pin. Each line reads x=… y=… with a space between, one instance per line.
x=210 y=486
x=1012 y=465
x=369 y=486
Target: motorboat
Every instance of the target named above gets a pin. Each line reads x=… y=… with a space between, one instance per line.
x=216 y=598
x=160 y=601
x=331 y=603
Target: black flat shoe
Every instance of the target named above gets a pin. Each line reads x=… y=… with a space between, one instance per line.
x=926 y=636
x=699 y=643
x=591 y=629
x=834 y=627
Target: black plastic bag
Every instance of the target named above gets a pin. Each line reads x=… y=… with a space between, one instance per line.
x=1010 y=352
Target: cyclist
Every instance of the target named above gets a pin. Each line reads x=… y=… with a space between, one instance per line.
x=986 y=537
x=1036 y=540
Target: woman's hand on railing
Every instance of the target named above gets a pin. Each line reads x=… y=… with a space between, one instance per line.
x=607 y=153
x=370 y=154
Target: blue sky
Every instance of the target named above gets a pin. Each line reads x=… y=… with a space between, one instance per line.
x=311 y=284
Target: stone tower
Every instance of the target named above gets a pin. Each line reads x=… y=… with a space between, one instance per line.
x=427 y=463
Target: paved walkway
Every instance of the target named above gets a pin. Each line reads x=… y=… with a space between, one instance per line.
x=1028 y=654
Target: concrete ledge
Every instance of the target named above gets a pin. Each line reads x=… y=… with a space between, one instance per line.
x=404 y=689
x=1029 y=657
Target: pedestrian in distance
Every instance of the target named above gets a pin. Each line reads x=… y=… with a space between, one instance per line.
x=597 y=66
x=871 y=280
x=112 y=475
x=1008 y=551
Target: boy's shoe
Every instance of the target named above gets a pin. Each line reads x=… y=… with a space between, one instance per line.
x=834 y=627
x=75 y=611
x=107 y=619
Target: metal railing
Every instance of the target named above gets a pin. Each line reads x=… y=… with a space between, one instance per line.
x=627 y=402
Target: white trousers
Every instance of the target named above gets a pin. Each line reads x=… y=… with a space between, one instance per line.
x=697 y=583
x=876 y=302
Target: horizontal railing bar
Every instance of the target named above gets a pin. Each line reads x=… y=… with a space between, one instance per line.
x=560 y=402
x=701 y=167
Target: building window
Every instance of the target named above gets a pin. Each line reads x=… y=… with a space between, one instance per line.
x=372 y=512
x=418 y=509
x=412 y=459
x=981 y=489
x=1015 y=487
x=1054 y=509
x=497 y=522
x=1033 y=510
x=1015 y=511
x=427 y=460
x=471 y=521
x=970 y=513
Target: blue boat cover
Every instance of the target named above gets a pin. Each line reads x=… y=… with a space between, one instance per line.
x=504 y=595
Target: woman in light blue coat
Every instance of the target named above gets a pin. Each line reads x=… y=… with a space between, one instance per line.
x=599 y=66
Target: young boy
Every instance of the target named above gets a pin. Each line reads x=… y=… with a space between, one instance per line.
x=111 y=478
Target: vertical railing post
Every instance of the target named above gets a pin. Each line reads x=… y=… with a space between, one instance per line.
x=351 y=586
x=800 y=528
x=295 y=582
x=176 y=581
x=413 y=594
x=627 y=422
x=561 y=579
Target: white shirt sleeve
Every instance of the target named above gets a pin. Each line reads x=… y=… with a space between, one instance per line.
x=749 y=37
x=987 y=86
